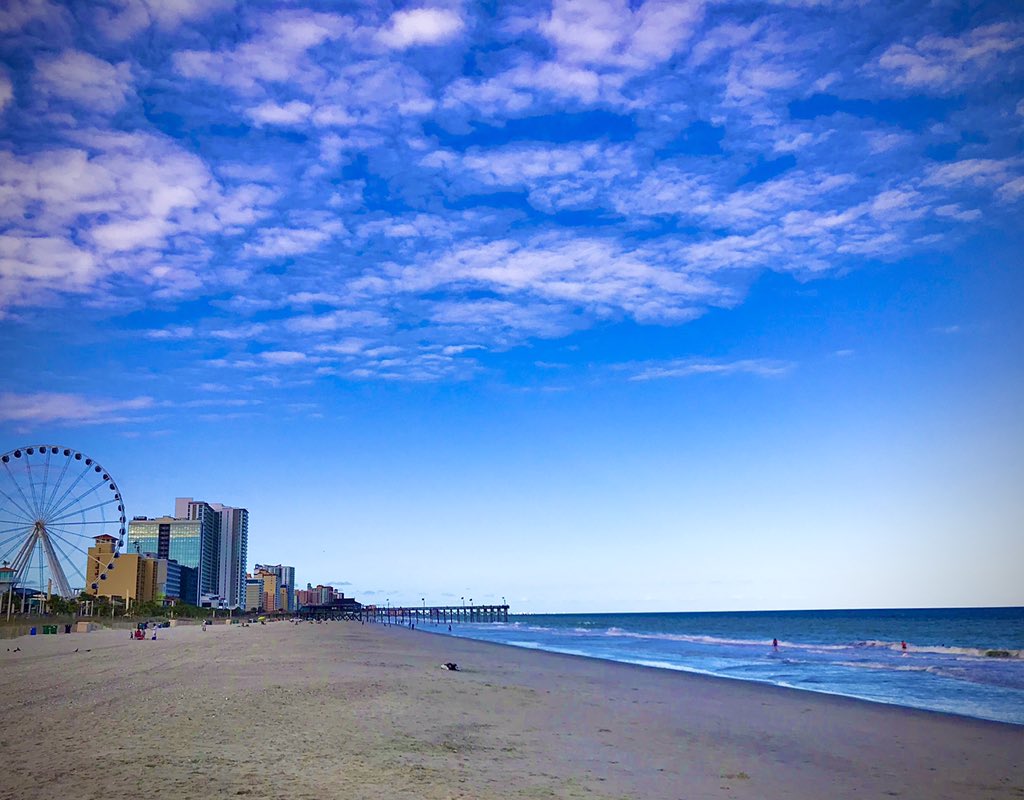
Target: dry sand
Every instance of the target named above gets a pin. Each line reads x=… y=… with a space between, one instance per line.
x=341 y=710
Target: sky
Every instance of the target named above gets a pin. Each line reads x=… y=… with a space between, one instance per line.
x=587 y=305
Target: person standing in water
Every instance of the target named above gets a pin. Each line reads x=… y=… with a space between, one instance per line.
x=775 y=644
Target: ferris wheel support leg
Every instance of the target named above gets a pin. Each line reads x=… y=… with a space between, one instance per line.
x=56 y=570
x=21 y=560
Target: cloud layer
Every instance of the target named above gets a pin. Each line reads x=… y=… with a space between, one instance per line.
x=367 y=195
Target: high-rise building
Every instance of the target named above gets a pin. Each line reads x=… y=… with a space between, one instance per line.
x=191 y=541
x=285 y=579
x=234 y=553
x=228 y=579
x=209 y=567
x=269 y=599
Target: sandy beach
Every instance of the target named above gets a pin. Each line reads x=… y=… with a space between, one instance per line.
x=350 y=711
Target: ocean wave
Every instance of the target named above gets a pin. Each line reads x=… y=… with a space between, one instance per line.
x=813 y=647
x=718 y=640
x=935 y=649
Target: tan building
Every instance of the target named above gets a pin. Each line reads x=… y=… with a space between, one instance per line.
x=253 y=594
x=135 y=578
x=270 y=599
x=262 y=592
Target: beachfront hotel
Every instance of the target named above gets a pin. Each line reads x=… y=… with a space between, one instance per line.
x=137 y=579
x=190 y=542
x=210 y=543
x=264 y=591
x=285 y=584
x=234 y=553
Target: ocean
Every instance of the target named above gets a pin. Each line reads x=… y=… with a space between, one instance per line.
x=966 y=661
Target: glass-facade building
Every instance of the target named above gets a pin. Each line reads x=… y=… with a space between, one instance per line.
x=209 y=541
x=209 y=567
x=190 y=542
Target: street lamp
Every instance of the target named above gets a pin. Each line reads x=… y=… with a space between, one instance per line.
x=389 y=611
x=471 y=609
x=424 y=601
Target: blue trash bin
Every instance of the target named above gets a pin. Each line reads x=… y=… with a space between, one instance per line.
x=31 y=631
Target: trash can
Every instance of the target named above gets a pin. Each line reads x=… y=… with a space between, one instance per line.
x=67 y=629
x=32 y=631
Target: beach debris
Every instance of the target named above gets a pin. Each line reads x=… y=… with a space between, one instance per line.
x=450 y=665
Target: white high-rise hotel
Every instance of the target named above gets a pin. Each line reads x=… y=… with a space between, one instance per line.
x=232 y=548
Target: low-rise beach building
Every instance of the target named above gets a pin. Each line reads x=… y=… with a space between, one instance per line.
x=135 y=577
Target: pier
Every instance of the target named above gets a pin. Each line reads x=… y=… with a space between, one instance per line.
x=348 y=609
x=436 y=615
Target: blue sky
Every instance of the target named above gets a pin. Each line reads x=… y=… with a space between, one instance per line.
x=590 y=305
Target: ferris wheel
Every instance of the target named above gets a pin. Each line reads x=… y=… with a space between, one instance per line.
x=55 y=502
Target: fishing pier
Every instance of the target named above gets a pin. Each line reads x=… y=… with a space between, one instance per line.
x=437 y=615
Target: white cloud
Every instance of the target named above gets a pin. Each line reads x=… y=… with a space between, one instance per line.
x=6 y=91
x=239 y=332
x=609 y=32
x=15 y=15
x=349 y=346
x=600 y=46
x=85 y=80
x=54 y=407
x=278 y=54
x=171 y=332
x=32 y=266
x=1003 y=176
x=337 y=320
x=944 y=64
x=276 y=242
x=129 y=17
x=89 y=213
x=271 y=113
x=594 y=274
x=420 y=26
x=283 y=357
x=955 y=211
x=557 y=177
x=685 y=368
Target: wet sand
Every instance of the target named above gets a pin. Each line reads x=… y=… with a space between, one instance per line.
x=341 y=710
